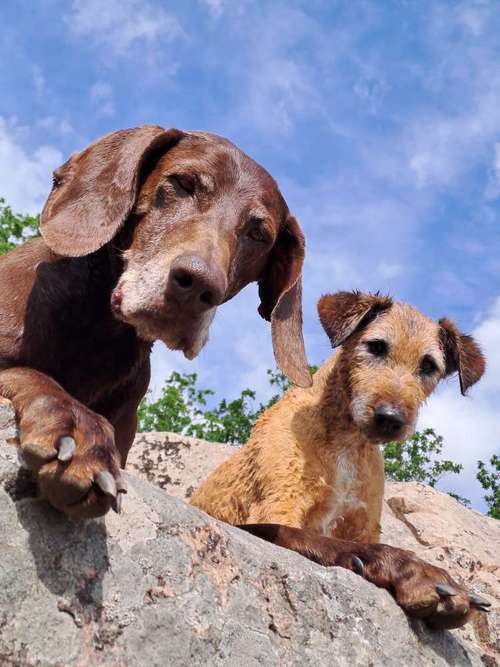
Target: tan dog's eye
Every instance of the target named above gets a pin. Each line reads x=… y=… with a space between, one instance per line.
x=185 y=182
x=377 y=347
x=428 y=366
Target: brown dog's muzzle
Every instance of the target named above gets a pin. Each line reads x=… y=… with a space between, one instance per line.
x=195 y=285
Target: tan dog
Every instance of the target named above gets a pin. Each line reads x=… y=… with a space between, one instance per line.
x=312 y=462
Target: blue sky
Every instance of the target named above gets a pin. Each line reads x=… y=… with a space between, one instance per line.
x=380 y=121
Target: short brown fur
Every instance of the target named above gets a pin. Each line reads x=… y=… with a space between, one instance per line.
x=312 y=462
x=129 y=220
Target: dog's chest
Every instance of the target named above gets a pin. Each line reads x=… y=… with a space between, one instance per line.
x=342 y=496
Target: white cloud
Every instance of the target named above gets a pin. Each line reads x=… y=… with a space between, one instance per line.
x=216 y=7
x=38 y=80
x=371 y=91
x=219 y=8
x=471 y=425
x=25 y=177
x=121 y=24
x=101 y=98
x=493 y=187
x=451 y=129
x=444 y=141
x=390 y=270
x=473 y=16
x=278 y=91
x=59 y=125
x=443 y=147
x=273 y=77
x=358 y=235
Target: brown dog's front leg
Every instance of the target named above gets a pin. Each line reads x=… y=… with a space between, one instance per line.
x=70 y=448
x=421 y=589
x=304 y=541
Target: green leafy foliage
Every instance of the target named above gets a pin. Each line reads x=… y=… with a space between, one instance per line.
x=182 y=408
x=463 y=501
x=229 y=421
x=15 y=228
x=180 y=405
x=416 y=459
x=489 y=478
x=279 y=381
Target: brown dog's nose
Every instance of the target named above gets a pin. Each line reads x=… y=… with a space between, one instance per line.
x=194 y=284
x=388 y=420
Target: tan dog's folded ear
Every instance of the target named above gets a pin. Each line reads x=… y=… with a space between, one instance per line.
x=462 y=354
x=95 y=190
x=343 y=313
x=280 y=291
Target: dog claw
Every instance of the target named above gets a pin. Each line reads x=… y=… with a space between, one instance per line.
x=106 y=482
x=445 y=590
x=67 y=446
x=121 y=484
x=116 y=503
x=357 y=566
x=21 y=460
x=478 y=601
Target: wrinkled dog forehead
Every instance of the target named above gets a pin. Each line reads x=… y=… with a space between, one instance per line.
x=228 y=160
x=409 y=333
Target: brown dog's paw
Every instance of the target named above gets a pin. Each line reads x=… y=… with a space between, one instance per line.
x=72 y=450
x=422 y=590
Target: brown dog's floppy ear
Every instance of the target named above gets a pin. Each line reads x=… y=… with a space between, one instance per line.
x=95 y=190
x=342 y=313
x=280 y=291
x=462 y=354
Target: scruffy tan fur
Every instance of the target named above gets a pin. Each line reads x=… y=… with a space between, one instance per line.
x=312 y=460
x=295 y=470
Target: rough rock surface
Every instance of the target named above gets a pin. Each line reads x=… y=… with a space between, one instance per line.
x=163 y=584
x=416 y=517
x=176 y=463
x=440 y=530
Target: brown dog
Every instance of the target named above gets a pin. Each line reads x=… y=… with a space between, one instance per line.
x=312 y=463
x=145 y=233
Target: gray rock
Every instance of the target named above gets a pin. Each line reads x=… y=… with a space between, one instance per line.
x=414 y=516
x=176 y=463
x=163 y=584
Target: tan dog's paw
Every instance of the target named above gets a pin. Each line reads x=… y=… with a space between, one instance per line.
x=422 y=590
x=72 y=451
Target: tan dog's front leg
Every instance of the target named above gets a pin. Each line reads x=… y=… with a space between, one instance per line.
x=285 y=512
x=422 y=590
x=70 y=448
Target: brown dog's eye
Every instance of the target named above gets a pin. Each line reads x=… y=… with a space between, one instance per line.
x=377 y=347
x=184 y=182
x=428 y=366
x=257 y=231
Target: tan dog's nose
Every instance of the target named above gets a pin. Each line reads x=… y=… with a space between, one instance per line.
x=194 y=284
